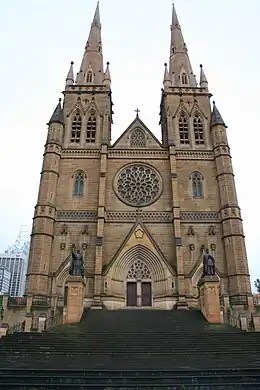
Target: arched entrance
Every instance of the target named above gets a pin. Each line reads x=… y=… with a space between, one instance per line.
x=139 y=285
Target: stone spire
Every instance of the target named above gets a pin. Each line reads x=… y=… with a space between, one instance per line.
x=203 y=78
x=92 y=62
x=57 y=116
x=107 y=77
x=70 y=76
x=166 y=80
x=216 y=118
x=179 y=60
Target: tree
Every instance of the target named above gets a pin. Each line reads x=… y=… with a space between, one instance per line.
x=257 y=285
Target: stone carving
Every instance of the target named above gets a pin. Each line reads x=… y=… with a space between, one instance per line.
x=138 y=185
x=77 y=215
x=146 y=216
x=208 y=264
x=84 y=246
x=62 y=246
x=192 y=247
x=191 y=231
x=64 y=230
x=139 y=270
x=85 y=231
x=213 y=247
x=77 y=264
x=137 y=139
x=199 y=215
x=212 y=230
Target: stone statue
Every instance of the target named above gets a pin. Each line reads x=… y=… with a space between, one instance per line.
x=208 y=264
x=77 y=264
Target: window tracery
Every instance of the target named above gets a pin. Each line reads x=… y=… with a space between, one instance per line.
x=197 y=186
x=198 y=129
x=139 y=271
x=183 y=129
x=138 y=185
x=137 y=139
x=79 y=179
x=89 y=76
x=91 y=128
x=76 y=128
x=184 y=79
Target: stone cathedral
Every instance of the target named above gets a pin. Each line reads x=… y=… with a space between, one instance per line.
x=141 y=211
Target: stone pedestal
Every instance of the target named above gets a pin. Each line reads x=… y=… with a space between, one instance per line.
x=209 y=298
x=3 y=329
x=256 y=322
x=42 y=322
x=75 y=299
x=182 y=304
x=28 y=322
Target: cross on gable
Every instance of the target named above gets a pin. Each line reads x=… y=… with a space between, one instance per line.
x=137 y=112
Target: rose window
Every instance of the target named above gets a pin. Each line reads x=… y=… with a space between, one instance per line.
x=139 y=270
x=138 y=185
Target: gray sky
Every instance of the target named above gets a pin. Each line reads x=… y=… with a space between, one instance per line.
x=38 y=40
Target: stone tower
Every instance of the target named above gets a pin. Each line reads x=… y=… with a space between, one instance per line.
x=142 y=212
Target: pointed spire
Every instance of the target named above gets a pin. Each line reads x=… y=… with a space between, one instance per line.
x=216 y=118
x=107 y=77
x=166 y=80
x=93 y=53
x=70 y=76
x=57 y=116
x=203 y=79
x=179 y=59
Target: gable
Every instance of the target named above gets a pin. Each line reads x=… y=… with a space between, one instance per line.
x=137 y=136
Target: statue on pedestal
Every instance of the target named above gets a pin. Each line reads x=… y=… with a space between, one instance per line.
x=208 y=264
x=77 y=263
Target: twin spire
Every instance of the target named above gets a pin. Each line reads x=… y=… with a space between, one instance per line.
x=91 y=69
x=180 y=73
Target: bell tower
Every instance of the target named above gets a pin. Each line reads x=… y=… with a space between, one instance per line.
x=203 y=187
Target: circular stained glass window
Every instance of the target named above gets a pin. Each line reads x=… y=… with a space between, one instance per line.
x=138 y=185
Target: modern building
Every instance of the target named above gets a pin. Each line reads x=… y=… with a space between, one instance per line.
x=15 y=260
x=142 y=211
x=5 y=279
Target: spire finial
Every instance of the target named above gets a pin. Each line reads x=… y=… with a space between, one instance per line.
x=137 y=112
x=107 y=77
x=70 y=76
x=203 y=78
x=57 y=116
x=166 y=79
x=216 y=118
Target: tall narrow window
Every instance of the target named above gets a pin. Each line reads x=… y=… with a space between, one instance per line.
x=184 y=79
x=76 y=128
x=79 y=179
x=89 y=76
x=91 y=128
x=197 y=187
x=183 y=129
x=198 y=130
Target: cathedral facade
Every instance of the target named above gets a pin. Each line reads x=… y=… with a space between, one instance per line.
x=142 y=211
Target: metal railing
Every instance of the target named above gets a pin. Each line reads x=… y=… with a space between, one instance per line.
x=17 y=328
x=54 y=320
x=17 y=301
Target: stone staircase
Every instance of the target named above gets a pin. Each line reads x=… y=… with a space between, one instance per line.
x=132 y=349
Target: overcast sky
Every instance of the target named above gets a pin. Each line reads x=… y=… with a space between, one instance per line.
x=39 y=38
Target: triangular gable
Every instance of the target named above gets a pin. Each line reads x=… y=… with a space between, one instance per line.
x=139 y=235
x=123 y=142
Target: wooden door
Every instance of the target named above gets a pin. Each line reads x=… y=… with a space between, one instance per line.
x=131 y=294
x=146 y=294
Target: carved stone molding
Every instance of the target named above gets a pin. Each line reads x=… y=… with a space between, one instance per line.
x=146 y=216
x=199 y=216
x=194 y=155
x=131 y=153
x=77 y=215
x=81 y=153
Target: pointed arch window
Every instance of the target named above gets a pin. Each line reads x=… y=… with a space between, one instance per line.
x=79 y=181
x=91 y=128
x=183 y=129
x=184 y=79
x=76 y=128
x=197 y=186
x=198 y=129
x=89 y=76
x=137 y=139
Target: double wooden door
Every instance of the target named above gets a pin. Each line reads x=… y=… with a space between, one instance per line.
x=132 y=296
